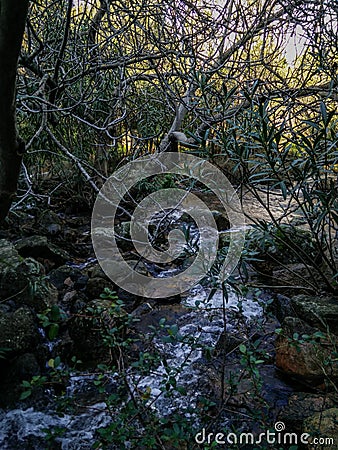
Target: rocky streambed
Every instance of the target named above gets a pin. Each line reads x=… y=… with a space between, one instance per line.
x=232 y=360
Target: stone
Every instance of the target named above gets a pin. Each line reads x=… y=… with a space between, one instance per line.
x=122 y=236
x=227 y=343
x=19 y=331
x=302 y=405
x=224 y=238
x=287 y=245
x=297 y=278
x=24 y=367
x=49 y=222
x=40 y=249
x=321 y=312
x=323 y=424
x=150 y=313
x=23 y=281
x=58 y=276
x=120 y=232
x=281 y=307
x=138 y=266
x=97 y=272
x=302 y=353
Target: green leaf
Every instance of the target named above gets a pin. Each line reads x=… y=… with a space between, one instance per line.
x=51 y=363
x=57 y=362
x=55 y=315
x=53 y=331
x=242 y=348
x=25 y=394
x=283 y=189
x=181 y=390
x=312 y=124
x=323 y=112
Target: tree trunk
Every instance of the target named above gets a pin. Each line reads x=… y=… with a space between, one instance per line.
x=13 y=15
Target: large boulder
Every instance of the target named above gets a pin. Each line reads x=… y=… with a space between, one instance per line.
x=304 y=352
x=323 y=424
x=303 y=405
x=96 y=286
x=321 y=312
x=222 y=220
x=43 y=251
x=22 y=281
x=286 y=244
x=49 y=222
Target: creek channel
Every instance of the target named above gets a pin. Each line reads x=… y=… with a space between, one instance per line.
x=199 y=321
x=203 y=322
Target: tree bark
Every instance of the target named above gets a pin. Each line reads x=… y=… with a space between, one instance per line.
x=13 y=15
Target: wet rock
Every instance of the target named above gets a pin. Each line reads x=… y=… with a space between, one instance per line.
x=130 y=300
x=317 y=311
x=224 y=238
x=58 y=276
x=227 y=343
x=97 y=272
x=43 y=251
x=323 y=424
x=303 y=353
x=281 y=307
x=286 y=244
x=49 y=223
x=69 y=299
x=19 y=331
x=149 y=315
x=8 y=252
x=296 y=278
x=12 y=373
x=122 y=235
x=80 y=282
x=138 y=266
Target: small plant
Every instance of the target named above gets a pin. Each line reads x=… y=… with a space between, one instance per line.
x=51 y=434
x=36 y=382
x=51 y=320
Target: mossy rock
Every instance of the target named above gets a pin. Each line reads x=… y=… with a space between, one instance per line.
x=323 y=424
x=39 y=248
x=19 y=331
x=321 y=312
x=23 y=281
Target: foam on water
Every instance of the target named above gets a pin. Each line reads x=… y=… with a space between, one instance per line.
x=203 y=325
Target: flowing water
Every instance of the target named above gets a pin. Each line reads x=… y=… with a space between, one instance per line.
x=26 y=428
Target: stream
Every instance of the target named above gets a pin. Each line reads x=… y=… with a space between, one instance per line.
x=26 y=428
